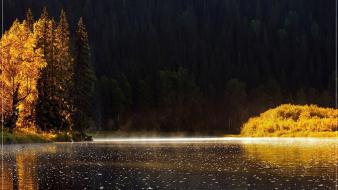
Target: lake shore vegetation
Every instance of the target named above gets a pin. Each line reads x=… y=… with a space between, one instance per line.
x=293 y=121
x=46 y=84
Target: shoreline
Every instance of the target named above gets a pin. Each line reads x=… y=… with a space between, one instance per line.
x=143 y=137
x=180 y=140
x=23 y=136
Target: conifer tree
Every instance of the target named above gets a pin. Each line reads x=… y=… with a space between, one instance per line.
x=54 y=106
x=29 y=19
x=47 y=107
x=83 y=79
x=43 y=113
x=64 y=71
x=40 y=28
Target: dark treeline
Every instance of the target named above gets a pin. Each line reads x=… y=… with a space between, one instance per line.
x=200 y=65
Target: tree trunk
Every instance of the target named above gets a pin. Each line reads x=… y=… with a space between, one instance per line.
x=11 y=124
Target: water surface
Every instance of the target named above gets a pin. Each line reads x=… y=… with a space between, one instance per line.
x=168 y=164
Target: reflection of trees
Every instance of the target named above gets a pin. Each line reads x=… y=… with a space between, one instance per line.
x=26 y=163
x=7 y=176
x=308 y=158
x=21 y=171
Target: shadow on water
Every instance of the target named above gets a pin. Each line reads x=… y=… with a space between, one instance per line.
x=205 y=165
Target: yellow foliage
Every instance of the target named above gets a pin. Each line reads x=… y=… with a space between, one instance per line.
x=293 y=120
x=21 y=62
x=32 y=131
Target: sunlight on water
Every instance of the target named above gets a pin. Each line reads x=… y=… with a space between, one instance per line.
x=26 y=163
x=172 y=139
x=309 y=157
x=216 y=139
x=174 y=163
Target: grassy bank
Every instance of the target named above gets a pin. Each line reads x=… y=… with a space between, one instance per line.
x=27 y=135
x=293 y=121
x=16 y=137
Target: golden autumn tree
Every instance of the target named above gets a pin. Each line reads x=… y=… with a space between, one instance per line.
x=21 y=62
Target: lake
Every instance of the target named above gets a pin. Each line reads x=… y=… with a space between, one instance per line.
x=211 y=163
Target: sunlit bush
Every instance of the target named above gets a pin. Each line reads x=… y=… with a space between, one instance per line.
x=293 y=120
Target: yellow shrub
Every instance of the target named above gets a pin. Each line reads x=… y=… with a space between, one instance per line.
x=293 y=120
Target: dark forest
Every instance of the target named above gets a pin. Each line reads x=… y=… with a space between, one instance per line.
x=202 y=66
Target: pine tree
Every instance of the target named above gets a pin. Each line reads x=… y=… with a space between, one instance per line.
x=43 y=113
x=53 y=108
x=83 y=79
x=48 y=108
x=29 y=19
x=63 y=71
x=40 y=28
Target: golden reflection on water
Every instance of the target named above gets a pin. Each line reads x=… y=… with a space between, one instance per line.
x=7 y=177
x=308 y=158
x=21 y=172
x=26 y=163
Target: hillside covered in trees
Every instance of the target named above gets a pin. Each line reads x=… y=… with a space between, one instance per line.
x=175 y=65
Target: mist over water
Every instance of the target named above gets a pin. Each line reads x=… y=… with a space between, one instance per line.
x=173 y=163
